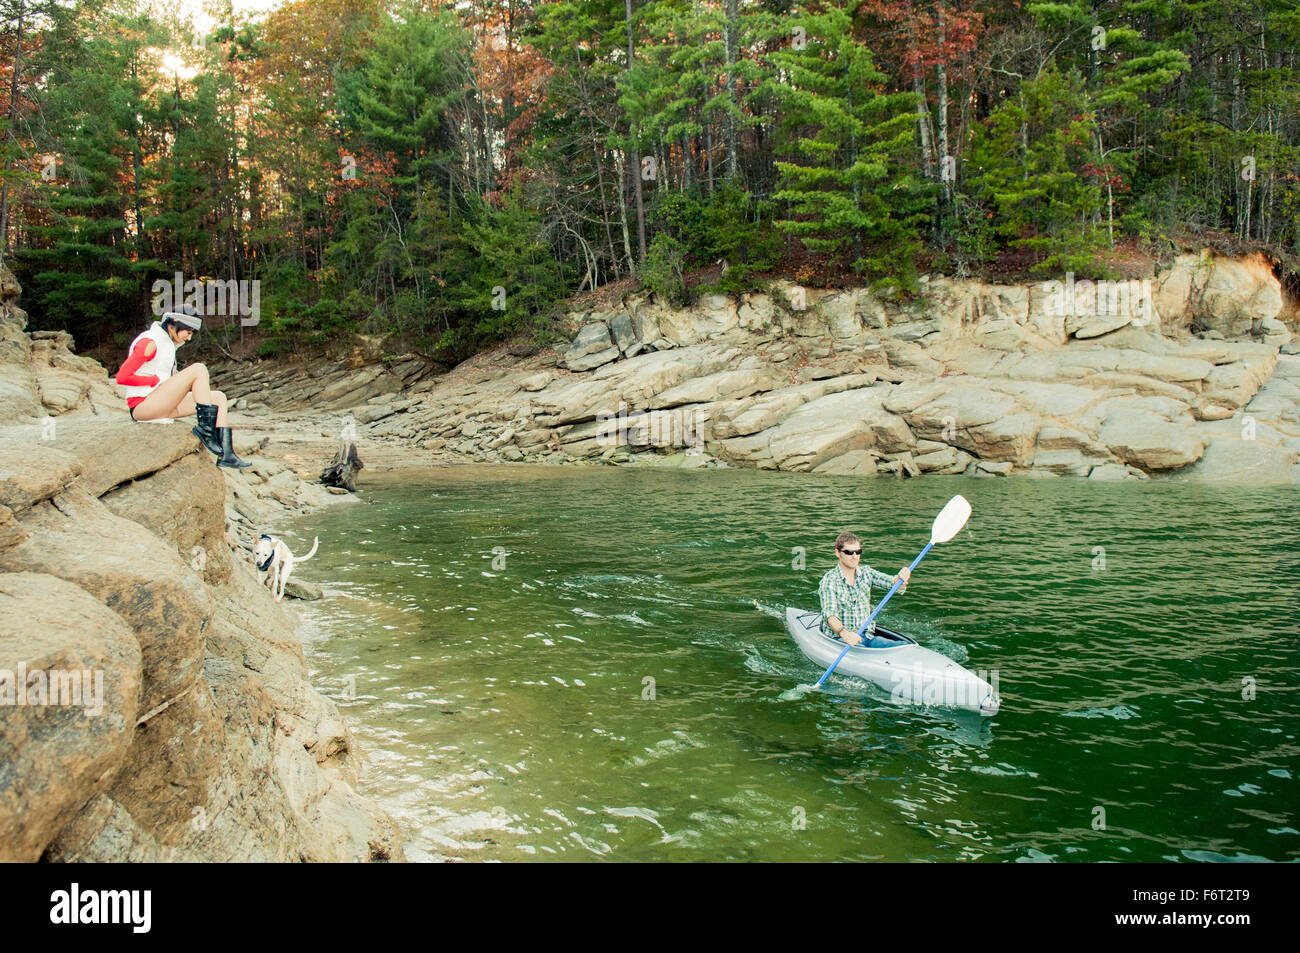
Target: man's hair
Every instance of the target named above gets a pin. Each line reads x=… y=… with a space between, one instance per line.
x=843 y=538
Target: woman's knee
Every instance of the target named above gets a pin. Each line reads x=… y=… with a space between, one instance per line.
x=197 y=370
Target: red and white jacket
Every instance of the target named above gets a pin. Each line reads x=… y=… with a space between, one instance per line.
x=140 y=373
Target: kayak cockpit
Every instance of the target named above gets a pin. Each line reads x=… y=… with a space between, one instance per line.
x=883 y=639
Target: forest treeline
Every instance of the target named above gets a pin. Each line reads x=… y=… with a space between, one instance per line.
x=444 y=173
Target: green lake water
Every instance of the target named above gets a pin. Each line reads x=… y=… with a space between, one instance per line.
x=568 y=664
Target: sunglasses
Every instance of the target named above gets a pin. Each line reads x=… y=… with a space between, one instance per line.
x=851 y=552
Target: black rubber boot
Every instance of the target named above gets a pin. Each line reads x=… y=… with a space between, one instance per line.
x=206 y=430
x=228 y=458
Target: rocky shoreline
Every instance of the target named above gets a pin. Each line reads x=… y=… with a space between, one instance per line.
x=157 y=705
x=1191 y=374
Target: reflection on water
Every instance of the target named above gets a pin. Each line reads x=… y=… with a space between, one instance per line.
x=570 y=664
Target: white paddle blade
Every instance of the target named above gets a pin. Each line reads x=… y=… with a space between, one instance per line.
x=950 y=520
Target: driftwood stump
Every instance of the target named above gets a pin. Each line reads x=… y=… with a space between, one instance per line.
x=342 y=470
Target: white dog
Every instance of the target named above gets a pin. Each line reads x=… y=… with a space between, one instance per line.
x=274 y=558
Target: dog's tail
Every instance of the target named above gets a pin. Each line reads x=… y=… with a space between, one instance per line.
x=302 y=559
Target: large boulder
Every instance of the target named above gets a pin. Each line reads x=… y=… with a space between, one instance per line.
x=967 y=414
x=756 y=311
x=749 y=416
x=250 y=764
x=834 y=425
x=175 y=505
x=11 y=531
x=174 y=793
x=61 y=391
x=749 y=379
x=753 y=414
x=1065 y=462
x=633 y=382
x=713 y=315
x=1233 y=385
x=944 y=459
x=110 y=452
x=854 y=463
x=1064 y=436
x=1277 y=400
x=839 y=309
x=139 y=577
x=1232 y=459
x=33 y=472
x=1000 y=317
x=621 y=330
x=590 y=348
x=1086 y=362
x=18 y=402
x=64 y=740
x=1174 y=287
x=1149 y=441
x=1239 y=293
x=355 y=388
x=645 y=323
x=10 y=289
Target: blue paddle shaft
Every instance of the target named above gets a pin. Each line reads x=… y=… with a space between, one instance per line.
x=874 y=612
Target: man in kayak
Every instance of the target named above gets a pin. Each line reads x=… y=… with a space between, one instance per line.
x=845 y=591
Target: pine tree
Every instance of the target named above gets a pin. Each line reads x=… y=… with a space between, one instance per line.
x=1029 y=163
x=403 y=105
x=77 y=264
x=412 y=80
x=852 y=192
x=515 y=279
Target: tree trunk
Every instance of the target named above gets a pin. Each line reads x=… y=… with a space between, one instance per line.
x=708 y=151
x=9 y=133
x=923 y=120
x=853 y=158
x=622 y=211
x=600 y=173
x=1110 y=196
x=949 y=163
x=732 y=89
x=1243 y=207
x=708 y=135
x=137 y=171
x=633 y=155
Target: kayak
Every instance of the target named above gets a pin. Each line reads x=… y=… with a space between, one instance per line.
x=911 y=673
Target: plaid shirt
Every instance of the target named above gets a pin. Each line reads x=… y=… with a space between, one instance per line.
x=852 y=604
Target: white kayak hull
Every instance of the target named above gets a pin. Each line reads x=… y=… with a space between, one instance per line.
x=912 y=674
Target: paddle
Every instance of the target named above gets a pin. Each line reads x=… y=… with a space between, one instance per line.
x=946 y=525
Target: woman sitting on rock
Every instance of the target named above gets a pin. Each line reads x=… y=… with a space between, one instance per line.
x=155 y=390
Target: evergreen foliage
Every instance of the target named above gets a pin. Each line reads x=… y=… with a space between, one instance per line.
x=405 y=169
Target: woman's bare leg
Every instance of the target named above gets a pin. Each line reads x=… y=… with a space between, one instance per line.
x=186 y=407
x=219 y=399
x=164 y=399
